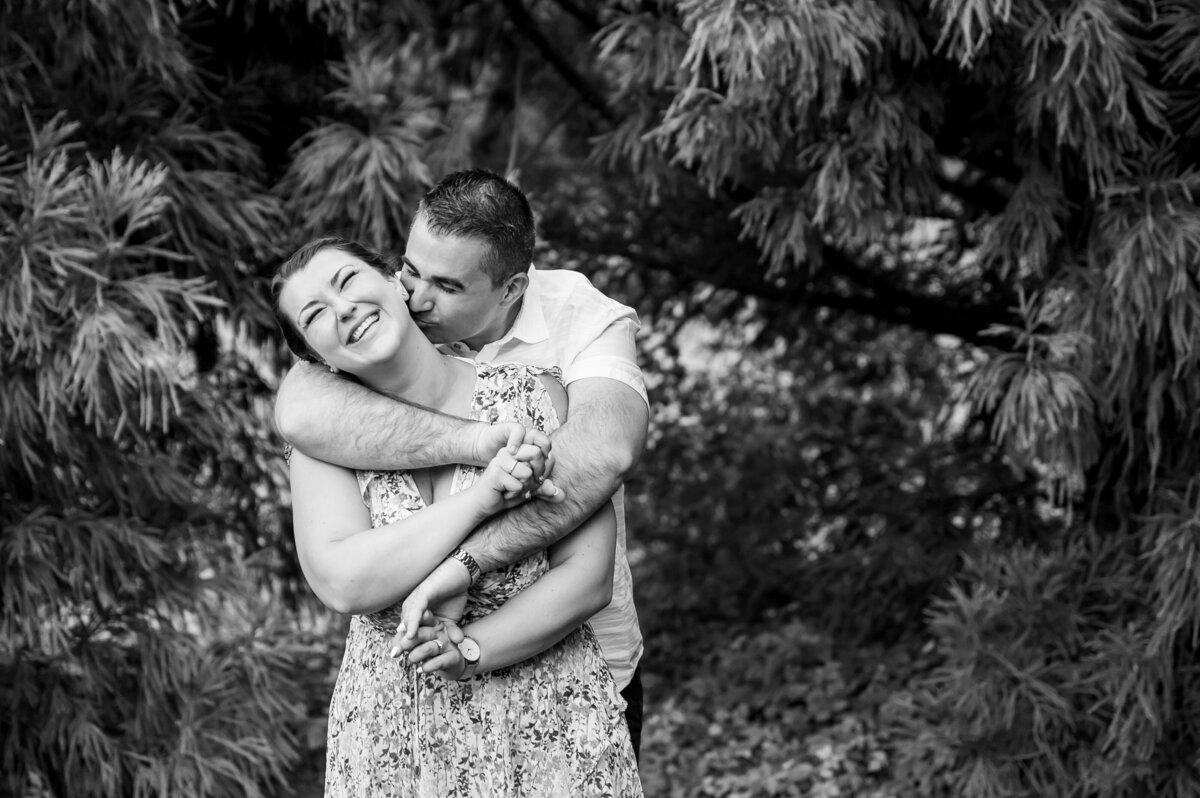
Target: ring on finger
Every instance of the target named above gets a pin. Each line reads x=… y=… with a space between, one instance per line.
x=513 y=467
x=439 y=644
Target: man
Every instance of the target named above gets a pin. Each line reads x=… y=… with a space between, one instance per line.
x=472 y=288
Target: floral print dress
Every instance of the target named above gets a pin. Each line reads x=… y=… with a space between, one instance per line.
x=552 y=725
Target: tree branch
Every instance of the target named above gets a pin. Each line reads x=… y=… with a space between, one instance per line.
x=698 y=242
x=590 y=22
x=883 y=298
x=876 y=297
x=590 y=94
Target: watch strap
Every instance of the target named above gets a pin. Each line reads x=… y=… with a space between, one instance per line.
x=468 y=562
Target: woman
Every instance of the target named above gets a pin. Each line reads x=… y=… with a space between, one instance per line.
x=535 y=712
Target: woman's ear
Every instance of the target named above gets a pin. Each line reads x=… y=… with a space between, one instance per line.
x=318 y=362
x=399 y=286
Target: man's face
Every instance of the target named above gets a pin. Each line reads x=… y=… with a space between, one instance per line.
x=452 y=297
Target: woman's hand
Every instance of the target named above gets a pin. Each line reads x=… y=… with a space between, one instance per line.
x=443 y=594
x=491 y=438
x=518 y=472
x=433 y=648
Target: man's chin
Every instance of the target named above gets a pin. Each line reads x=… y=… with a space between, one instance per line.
x=432 y=332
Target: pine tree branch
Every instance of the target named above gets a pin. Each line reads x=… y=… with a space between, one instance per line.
x=694 y=238
x=881 y=297
x=590 y=21
x=866 y=292
x=877 y=294
x=591 y=95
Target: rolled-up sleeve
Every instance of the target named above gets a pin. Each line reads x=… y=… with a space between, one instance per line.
x=612 y=354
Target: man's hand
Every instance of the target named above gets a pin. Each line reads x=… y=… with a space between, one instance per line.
x=491 y=438
x=433 y=647
x=521 y=466
x=435 y=650
x=595 y=449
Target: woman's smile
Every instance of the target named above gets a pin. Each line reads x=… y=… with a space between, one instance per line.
x=359 y=331
x=338 y=302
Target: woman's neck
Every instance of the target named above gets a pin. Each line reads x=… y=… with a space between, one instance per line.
x=427 y=378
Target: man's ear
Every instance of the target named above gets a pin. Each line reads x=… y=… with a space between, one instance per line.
x=514 y=289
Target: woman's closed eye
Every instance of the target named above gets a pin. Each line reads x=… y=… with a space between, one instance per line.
x=310 y=318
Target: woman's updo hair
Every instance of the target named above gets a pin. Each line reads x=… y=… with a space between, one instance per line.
x=298 y=260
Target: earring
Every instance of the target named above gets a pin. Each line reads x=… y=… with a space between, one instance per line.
x=333 y=370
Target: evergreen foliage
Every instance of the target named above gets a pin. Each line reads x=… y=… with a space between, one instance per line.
x=1053 y=143
x=138 y=655
x=958 y=245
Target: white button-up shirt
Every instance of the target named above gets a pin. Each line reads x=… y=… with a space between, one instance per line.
x=566 y=322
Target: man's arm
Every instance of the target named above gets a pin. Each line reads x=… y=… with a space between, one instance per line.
x=594 y=450
x=341 y=422
x=577 y=585
x=354 y=567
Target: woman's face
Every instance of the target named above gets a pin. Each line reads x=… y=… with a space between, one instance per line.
x=352 y=316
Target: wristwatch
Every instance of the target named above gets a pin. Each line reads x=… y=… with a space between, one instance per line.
x=468 y=562
x=470 y=653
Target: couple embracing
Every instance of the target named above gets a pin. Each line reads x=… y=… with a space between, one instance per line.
x=494 y=646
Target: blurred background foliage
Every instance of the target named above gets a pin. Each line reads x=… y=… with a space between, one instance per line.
x=918 y=283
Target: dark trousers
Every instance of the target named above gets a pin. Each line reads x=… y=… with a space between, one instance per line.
x=633 y=710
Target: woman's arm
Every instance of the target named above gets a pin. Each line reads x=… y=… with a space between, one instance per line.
x=577 y=585
x=355 y=568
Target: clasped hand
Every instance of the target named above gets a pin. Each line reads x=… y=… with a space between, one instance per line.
x=433 y=646
x=520 y=469
x=520 y=466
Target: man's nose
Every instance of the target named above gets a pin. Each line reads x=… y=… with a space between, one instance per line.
x=419 y=298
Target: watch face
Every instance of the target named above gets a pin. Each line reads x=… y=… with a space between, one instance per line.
x=469 y=649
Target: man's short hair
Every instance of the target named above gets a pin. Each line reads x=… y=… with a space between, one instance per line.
x=482 y=205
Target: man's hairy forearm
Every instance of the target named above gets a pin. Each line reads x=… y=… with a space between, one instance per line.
x=594 y=452
x=347 y=424
x=535 y=525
